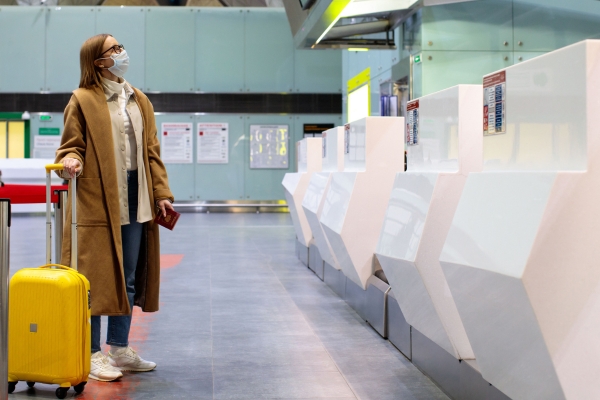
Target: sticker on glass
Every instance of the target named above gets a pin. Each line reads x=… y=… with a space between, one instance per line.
x=494 y=104
x=412 y=123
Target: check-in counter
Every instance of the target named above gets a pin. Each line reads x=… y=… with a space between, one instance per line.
x=314 y=199
x=444 y=144
x=357 y=198
x=295 y=184
x=521 y=257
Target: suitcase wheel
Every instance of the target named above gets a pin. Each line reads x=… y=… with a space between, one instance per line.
x=11 y=386
x=61 y=392
x=30 y=384
x=79 y=388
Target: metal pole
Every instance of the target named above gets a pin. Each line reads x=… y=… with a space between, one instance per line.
x=74 y=250
x=48 y=221
x=4 y=273
x=59 y=222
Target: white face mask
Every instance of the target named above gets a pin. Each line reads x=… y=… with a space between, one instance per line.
x=121 y=63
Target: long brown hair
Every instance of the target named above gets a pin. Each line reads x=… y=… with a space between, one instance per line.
x=90 y=51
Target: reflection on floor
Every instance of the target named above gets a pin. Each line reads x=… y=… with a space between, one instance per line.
x=241 y=318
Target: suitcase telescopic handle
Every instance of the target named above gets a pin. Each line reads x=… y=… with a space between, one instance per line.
x=49 y=169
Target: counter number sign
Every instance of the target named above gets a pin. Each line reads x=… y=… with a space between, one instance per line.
x=494 y=104
x=412 y=123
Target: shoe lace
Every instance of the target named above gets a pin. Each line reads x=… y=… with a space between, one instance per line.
x=132 y=351
x=103 y=360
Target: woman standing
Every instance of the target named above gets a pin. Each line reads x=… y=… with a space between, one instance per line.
x=110 y=144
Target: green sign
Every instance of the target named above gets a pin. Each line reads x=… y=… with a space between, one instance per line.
x=417 y=59
x=49 y=131
x=45 y=118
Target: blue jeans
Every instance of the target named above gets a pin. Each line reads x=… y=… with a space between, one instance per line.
x=118 y=326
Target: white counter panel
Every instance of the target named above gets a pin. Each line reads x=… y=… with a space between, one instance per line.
x=356 y=201
x=420 y=211
x=295 y=184
x=521 y=257
x=314 y=199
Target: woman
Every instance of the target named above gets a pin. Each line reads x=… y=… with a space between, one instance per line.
x=110 y=144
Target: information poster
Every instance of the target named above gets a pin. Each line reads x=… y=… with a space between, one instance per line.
x=412 y=123
x=45 y=146
x=494 y=104
x=176 y=146
x=269 y=146
x=213 y=143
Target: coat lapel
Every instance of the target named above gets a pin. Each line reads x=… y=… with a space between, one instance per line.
x=99 y=131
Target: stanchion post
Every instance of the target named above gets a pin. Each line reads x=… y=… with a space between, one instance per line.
x=59 y=222
x=4 y=273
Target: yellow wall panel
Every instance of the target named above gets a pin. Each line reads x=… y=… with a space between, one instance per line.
x=3 y=126
x=16 y=139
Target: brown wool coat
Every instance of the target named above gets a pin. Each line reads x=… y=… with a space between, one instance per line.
x=88 y=137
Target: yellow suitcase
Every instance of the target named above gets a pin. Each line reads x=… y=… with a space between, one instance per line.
x=49 y=324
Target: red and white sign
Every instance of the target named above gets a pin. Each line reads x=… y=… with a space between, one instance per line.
x=213 y=143
x=412 y=123
x=176 y=143
x=494 y=103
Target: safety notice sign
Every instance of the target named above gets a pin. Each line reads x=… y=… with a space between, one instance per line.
x=494 y=103
x=412 y=123
x=213 y=143
x=176 y=146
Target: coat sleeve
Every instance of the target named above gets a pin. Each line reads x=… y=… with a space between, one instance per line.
x=72 y=143
x=158 y=172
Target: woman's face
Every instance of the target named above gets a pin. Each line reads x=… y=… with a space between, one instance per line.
x=104 y=61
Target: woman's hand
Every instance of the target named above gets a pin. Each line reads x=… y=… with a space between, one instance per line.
x=72 y=166
x=163 y=205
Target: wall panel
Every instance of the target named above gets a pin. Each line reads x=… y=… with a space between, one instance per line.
x=128 y=26
x=25 y=49
x=483 y=25
x=269 y=52
x=540 y=28
x=449 y=68
x=181 y=176
x=222 y=181
x=220 y=50
x=317 y=71
x=66 y=30
x=170 y=49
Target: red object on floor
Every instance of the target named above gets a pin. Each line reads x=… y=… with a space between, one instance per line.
x=28 y=194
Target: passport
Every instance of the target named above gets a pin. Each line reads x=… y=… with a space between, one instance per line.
x=169 y=221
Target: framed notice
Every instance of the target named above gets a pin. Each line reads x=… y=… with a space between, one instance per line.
x=269 y=147
x=412 y=123
x=176 y=143
x=494 y=103
x=213 y=143
x=45 y=146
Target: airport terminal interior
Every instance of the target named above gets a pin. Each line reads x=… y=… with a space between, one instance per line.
x=373 y=199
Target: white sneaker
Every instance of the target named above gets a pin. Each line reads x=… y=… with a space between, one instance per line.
x=128 y=360
x=102 y=370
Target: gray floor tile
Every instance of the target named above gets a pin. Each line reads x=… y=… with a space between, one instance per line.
x=242 y=318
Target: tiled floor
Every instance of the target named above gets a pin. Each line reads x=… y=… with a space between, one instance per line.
x=242 y=318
